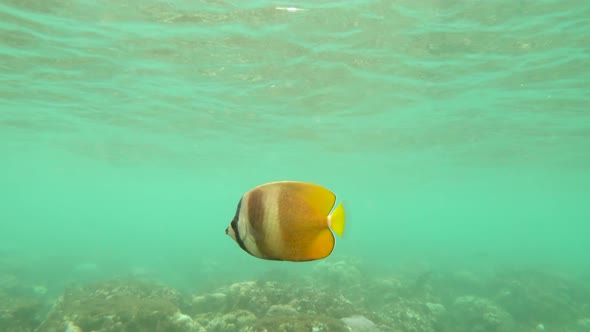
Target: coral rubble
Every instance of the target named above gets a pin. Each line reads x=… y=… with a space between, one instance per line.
x=335 y=297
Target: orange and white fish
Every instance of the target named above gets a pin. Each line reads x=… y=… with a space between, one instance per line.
x=288 y=221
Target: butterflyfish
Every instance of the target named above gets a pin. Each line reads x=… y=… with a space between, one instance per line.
x=287 y=221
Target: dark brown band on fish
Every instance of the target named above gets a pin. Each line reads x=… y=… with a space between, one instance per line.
x=256 y=210
x=234 y=226
x=256 y=219
x=284 y=200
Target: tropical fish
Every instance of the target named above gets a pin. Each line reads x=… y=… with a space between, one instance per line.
x=288 y=221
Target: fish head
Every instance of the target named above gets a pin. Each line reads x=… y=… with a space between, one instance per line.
x=230 y=231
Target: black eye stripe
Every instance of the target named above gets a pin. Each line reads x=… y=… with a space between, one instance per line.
x=234 y=226
x=234 y=222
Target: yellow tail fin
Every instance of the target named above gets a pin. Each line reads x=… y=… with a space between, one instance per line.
x=338 y=220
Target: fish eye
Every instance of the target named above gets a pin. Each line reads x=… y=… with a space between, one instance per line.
x=227 y=230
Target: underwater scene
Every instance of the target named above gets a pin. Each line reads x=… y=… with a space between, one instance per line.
x=287 y=166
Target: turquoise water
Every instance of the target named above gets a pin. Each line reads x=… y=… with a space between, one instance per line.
x=456 y=132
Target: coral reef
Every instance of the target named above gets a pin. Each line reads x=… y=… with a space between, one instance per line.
x=540 y=296
x=474 y=314
x=272 y=306
x=19 y=313
x=22 y=304
x=119 y=305
x=336 y=296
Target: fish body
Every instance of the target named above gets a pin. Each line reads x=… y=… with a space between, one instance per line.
x=287 y=220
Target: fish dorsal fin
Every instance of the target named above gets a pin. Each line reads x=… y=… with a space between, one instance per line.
x=319 y=198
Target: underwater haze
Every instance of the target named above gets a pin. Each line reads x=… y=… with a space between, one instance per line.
x=457 y=134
